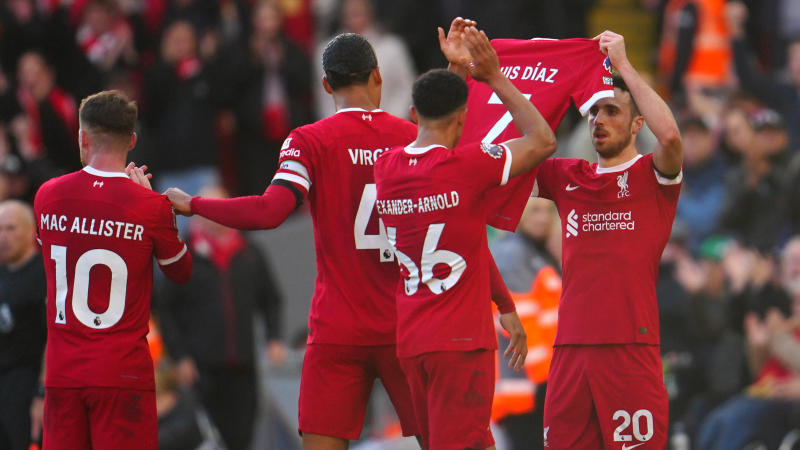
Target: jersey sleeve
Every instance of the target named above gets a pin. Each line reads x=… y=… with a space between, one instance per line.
x=545 y=179
x=595 y=81
x=488 y=165
x=170 y=250
x=295 y=164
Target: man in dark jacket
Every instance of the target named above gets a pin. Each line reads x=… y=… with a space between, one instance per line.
x=207 y=325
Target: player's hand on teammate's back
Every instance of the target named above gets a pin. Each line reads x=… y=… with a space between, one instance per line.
x=517 y=348
x=139 y=174
x=181 y=201
x=613 y=46
x=452 y=45
x=484 y=64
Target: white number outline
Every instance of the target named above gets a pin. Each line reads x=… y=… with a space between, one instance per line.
x=364 y=241
x=429 y=258
x=634 y=424
x=502 y=123
x=80 y=287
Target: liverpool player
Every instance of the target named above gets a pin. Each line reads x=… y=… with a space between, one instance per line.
x=99 y=231
x=605 y=385
x=430 y=197
x=352 y=320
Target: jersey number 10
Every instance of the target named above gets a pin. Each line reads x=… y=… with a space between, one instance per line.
x=80 y=286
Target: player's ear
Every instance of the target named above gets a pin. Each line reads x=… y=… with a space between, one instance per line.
x=376 y=76
x=637 y=124
x=83 y=138
x=327 y=85
x=134 y=139
x=414 y=117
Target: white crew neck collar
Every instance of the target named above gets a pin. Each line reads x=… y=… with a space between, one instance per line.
x=361 y=110
x=102 y=173
x=618 y=167
x=420 y=150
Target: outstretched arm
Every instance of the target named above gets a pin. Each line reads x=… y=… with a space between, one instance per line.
x=255 y=212
x=668 y=155
x=538 y=141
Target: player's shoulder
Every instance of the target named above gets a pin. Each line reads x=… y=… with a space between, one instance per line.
x=389 y=157
x=56 y=185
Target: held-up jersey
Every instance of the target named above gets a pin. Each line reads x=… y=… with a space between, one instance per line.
x=552 y=73
x=432 y=202
x=99 y=232
x=615 y=223
x=332 y=160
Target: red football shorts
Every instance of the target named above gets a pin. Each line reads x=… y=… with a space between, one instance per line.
x=606 y=396
x=452 y=394
x=336 y=383
x=99 y=417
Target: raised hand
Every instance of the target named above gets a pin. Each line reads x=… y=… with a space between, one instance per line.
x=181 y=201
x=139 y=175
x=484 y=64
x=517 y=348
x=613 y=46
x=452 y=46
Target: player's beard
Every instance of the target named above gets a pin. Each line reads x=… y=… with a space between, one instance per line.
x=613 y=149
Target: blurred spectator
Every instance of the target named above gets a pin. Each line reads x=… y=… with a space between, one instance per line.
x=203 y=15
x=181 y=95
x=51 y=115
x=780 y=94
x=703 y=193
x=105 y=37
x=272 y=96
x=207 y=324
x=695 y=46
x=754 y=211
x=703 y=357
x=394 y=60
x=521 y=255
x=769 y=408
x=23 y=290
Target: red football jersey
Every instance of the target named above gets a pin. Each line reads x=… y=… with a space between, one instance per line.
x=552 y=73
x=432 y=202
x=332 y=159
x=616 y=222
x=99 y=232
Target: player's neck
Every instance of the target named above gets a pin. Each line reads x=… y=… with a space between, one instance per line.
x=353 y=97
x=108 y=161
x=427 y=136
x=627 y=154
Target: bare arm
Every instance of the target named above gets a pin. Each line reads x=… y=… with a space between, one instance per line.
x=668 y=155
x=538 y=141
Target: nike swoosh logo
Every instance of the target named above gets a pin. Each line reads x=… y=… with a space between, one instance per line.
x=572 y=188
x=629 y=447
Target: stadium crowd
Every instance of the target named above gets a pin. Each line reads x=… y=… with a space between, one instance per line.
x=220 y=83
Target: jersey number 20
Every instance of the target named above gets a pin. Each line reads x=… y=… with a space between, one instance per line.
x=80 y=286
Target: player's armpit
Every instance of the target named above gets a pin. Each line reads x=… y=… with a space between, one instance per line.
x=255 y=212
x=179 y=267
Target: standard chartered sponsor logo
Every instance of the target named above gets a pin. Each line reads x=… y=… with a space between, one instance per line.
x=604 y=221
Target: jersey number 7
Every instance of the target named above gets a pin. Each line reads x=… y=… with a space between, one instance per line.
x=501 y=123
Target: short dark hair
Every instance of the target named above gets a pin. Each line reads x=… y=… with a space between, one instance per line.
x=620 y=84
x=108 y=112
x=438 y=92
x=348 y=59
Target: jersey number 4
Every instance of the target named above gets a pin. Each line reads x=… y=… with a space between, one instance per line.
x=364 y=241
x=80 y=286
x=431 y=256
